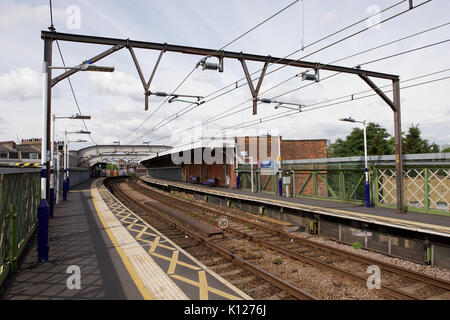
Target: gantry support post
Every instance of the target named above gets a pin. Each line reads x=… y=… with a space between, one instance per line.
x=398 y=146
x=395 y=106
x=254 y=91
x=146 y=85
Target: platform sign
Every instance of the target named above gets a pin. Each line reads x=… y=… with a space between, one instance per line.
x=267 y=167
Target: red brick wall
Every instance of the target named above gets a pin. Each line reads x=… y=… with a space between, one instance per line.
x=303 y=149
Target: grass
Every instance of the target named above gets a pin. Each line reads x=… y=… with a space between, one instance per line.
x=357 y=245
x=277 y=261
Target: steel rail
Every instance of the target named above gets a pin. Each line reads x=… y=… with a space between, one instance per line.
x=440 y=283
x=302 y=257
x=281 y=284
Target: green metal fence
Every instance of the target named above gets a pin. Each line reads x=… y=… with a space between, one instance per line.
x=426 y=187
x=19 y=199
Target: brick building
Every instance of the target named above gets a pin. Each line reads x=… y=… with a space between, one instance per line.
x=216 y=158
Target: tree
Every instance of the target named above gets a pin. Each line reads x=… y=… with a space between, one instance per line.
x=413 y=143
x=378 y=143
x=446 y=150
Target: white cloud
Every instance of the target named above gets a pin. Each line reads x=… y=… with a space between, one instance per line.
x=24 y=13
x=329 y=17
x=21 y=83
x=117 y=84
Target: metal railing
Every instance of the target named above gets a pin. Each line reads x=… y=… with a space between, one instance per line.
x=19 y=199
x=426 y=181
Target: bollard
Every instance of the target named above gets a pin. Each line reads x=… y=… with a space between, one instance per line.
x=237 y=181
x=64 y=190
x=43 y=217
x=280 y=186
x=51 y=202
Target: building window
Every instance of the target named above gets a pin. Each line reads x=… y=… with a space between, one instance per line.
x=3 y=155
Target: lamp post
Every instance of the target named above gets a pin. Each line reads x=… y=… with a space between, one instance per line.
x=366 y=170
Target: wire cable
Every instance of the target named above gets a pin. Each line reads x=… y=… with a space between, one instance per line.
x=217 y=117
x=226 y=45
x=176 y=115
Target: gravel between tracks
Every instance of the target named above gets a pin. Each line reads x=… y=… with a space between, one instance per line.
x=434 y=271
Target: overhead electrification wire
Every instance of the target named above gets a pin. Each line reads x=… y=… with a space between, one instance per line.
x=190 y=73
x=217 y=117
x=178 y=114
x=73 y=92
x=52 y=28
x=351 y=97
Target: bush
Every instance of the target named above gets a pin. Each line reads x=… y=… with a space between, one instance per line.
x=357 y=245
x=277 y=261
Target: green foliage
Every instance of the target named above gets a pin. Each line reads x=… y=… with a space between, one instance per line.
x=413 y=142
x=446 y=150
x=378 y=143
x=357 y=245
x=111 y=167
x=277 y=261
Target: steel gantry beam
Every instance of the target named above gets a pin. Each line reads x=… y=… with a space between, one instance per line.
x=49 y=36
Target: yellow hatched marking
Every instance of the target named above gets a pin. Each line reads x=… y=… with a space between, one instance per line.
x=155 y=244
x=173 y=262
x=213 y=290
x=143 y=231
x=203 y=285
x=133 y=223
x=181 y=263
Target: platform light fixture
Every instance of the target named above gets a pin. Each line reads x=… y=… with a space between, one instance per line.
x=366 y=170
x=286 y=105
x=86 y=66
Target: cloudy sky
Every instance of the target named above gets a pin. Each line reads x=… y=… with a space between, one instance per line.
x=116 y=100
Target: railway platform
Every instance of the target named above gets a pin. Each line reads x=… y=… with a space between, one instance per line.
x=418 y=237
x=101 y=250
x=412 y=221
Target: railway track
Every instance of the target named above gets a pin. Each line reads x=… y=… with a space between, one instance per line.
x=251 y=279
x=396 y=282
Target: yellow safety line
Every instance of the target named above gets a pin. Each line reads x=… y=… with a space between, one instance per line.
x=137 y=281
x=305 y=206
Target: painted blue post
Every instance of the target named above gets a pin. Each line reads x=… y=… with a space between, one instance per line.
x=280 y=186
x=43 y=222
x=64 y=190
x=43 y=208
x=367 y=189
x=237 y=181
x=52 y=202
